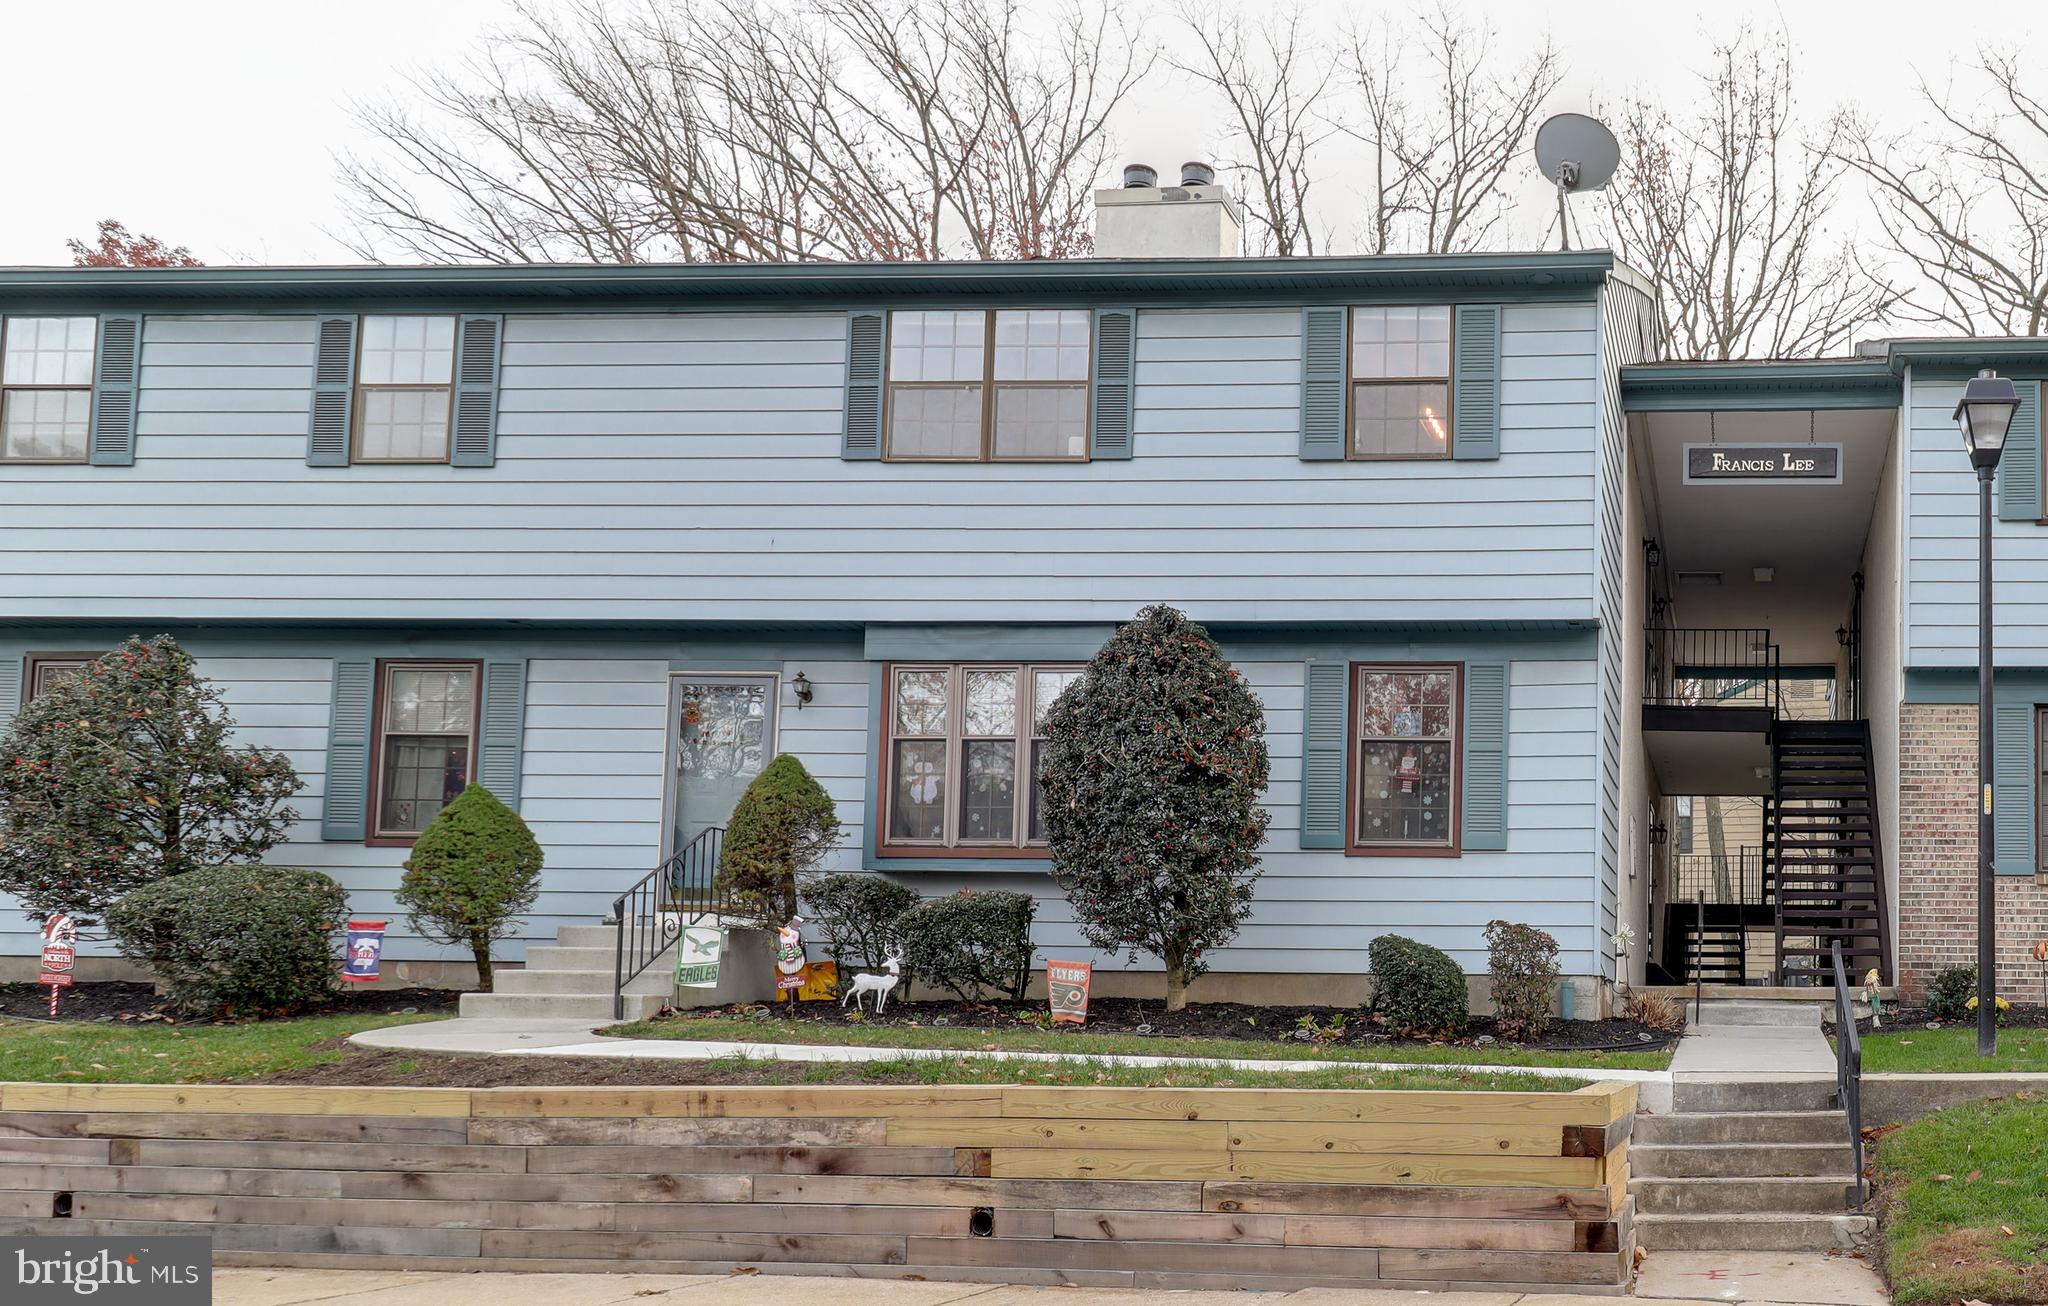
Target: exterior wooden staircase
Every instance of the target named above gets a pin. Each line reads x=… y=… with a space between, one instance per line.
x=1823 y=859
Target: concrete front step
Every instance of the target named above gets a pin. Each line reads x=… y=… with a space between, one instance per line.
x=595 y=1007
x=1753 y=1233
x=1754 y=1196
x=1743 y=1160
x=542 y=956
x=1815 y=1092
x=658 y=978
x=1741 y=1127
x=1738 y=1012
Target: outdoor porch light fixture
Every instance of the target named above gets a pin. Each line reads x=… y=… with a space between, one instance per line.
x=1653 y=556
x=1659 y=832
x=801 y=687
x=1984 y=416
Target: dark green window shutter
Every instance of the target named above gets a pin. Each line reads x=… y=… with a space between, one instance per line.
x=1325 y=746
x=1323 y=384
x=2019 y=467
x=1116 y=344
x=504 y=729
x=334 y=392
x=867 y=347
x=476 y=390
x=116 y=390
x=10 y=691
x=2012 y=788
x=345 y=802
x=1475 y=382
x=1483 y=807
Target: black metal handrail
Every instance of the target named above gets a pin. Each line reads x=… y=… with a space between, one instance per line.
x=649 y=916
x=1849 y=1075
x=1733 y=877
x=1713 y=667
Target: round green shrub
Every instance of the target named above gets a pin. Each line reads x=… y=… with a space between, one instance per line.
x=859 y=915
x=1417 y=989
x=1523 y=962
x=236 y=940
x=974 y=945
x=782 y=827
x=473 y=872
x=1948 y=998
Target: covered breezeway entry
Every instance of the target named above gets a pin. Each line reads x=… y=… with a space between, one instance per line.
x=1767 y=491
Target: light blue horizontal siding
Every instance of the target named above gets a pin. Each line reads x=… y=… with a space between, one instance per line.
x=1940 y=562
x=594 y=759
x=686 y=467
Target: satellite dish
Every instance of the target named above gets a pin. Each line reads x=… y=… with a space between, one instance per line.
x=1575 y=153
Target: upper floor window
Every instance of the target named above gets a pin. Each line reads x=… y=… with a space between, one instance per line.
x=961 y=755
x=405 y=385
x=978 y=386
x=1401 y=382
x=426 y=742
x=46 y=366
x=46 y=669
x=1406 y=747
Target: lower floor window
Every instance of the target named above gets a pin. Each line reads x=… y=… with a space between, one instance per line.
x=426 y=740
x=46 y=669
x=961 y=754
x=1405 y=741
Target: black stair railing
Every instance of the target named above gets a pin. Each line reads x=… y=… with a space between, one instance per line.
x=1692 y=666
x=1849 y=1076
x=650 y=915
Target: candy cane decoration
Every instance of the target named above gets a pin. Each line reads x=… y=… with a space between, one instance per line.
x=60 y=949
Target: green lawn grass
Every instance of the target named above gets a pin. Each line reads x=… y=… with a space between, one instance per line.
x=1026 y=1039
x=1966 y=1204
x=1112 y=1073
x=175 y=1054
x=1953 y=1050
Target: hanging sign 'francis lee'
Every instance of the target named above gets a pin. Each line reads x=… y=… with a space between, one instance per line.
x=1807 y=463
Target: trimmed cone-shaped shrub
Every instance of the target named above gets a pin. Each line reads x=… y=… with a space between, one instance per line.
x=1417 y=989
x=858 y=913
x=125 y=773
x=473 y=872
x=1150 y=778
x=1523 y=962
x=236 y=940
x=975 y=945
x=782 y=827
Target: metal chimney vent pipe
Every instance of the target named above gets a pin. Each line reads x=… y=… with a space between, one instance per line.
x=1138 y=175
x=1196 y=173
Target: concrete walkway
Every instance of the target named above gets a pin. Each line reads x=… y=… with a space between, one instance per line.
x=471 y=1036
x=1753 y=1040
x=1672 y=1278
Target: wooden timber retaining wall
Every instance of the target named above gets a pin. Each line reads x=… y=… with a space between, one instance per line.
x=1169 y=1188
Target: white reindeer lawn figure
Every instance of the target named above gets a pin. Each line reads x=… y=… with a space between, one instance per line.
x=879 y=985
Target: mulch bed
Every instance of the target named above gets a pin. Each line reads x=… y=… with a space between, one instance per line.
x=1205 y=1020
x=417 y=1070
x=2021 y=1016
x=120 y=1002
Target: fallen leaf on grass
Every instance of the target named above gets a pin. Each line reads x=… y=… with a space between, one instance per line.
x=2006 y=1229
x=1940 y=1178
x=1973 y=1176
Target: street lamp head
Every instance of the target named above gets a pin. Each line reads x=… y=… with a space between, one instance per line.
x=1985 y=415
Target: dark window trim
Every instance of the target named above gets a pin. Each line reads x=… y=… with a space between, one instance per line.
x=85 y=456
x=1352 y=845
x=988 y=384
x=2040 y=789
x=1353 y=381
x=886 y=736
x=357 y=407
x=372 y=838
x=30 y=661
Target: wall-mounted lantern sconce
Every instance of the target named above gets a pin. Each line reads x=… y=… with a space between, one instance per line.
x=1842 y=636
x=1659 y=832
x=801 y=687
x=1653 y=556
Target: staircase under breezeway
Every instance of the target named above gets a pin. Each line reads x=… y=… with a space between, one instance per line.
x=1823 y=855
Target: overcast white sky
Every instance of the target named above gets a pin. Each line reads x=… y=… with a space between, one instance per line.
x=214 y=123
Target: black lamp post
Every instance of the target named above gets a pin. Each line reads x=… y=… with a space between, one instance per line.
x=1984 y=416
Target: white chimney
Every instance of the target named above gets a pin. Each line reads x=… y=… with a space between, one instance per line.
x=1196 y=219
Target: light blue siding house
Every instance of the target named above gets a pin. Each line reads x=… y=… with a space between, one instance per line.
x=606 y=538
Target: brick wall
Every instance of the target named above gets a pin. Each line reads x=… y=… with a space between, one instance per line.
x=1938 y=858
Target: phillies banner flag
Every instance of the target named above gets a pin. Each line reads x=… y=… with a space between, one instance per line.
x=1066 y=988
x=365 y=950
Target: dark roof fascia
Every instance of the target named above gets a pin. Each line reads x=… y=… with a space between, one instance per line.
x=1760 y=385
x=1969 y=353
x=580 y=287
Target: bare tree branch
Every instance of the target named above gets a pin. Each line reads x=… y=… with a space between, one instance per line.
x=1727 y=206
x=725 y=130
